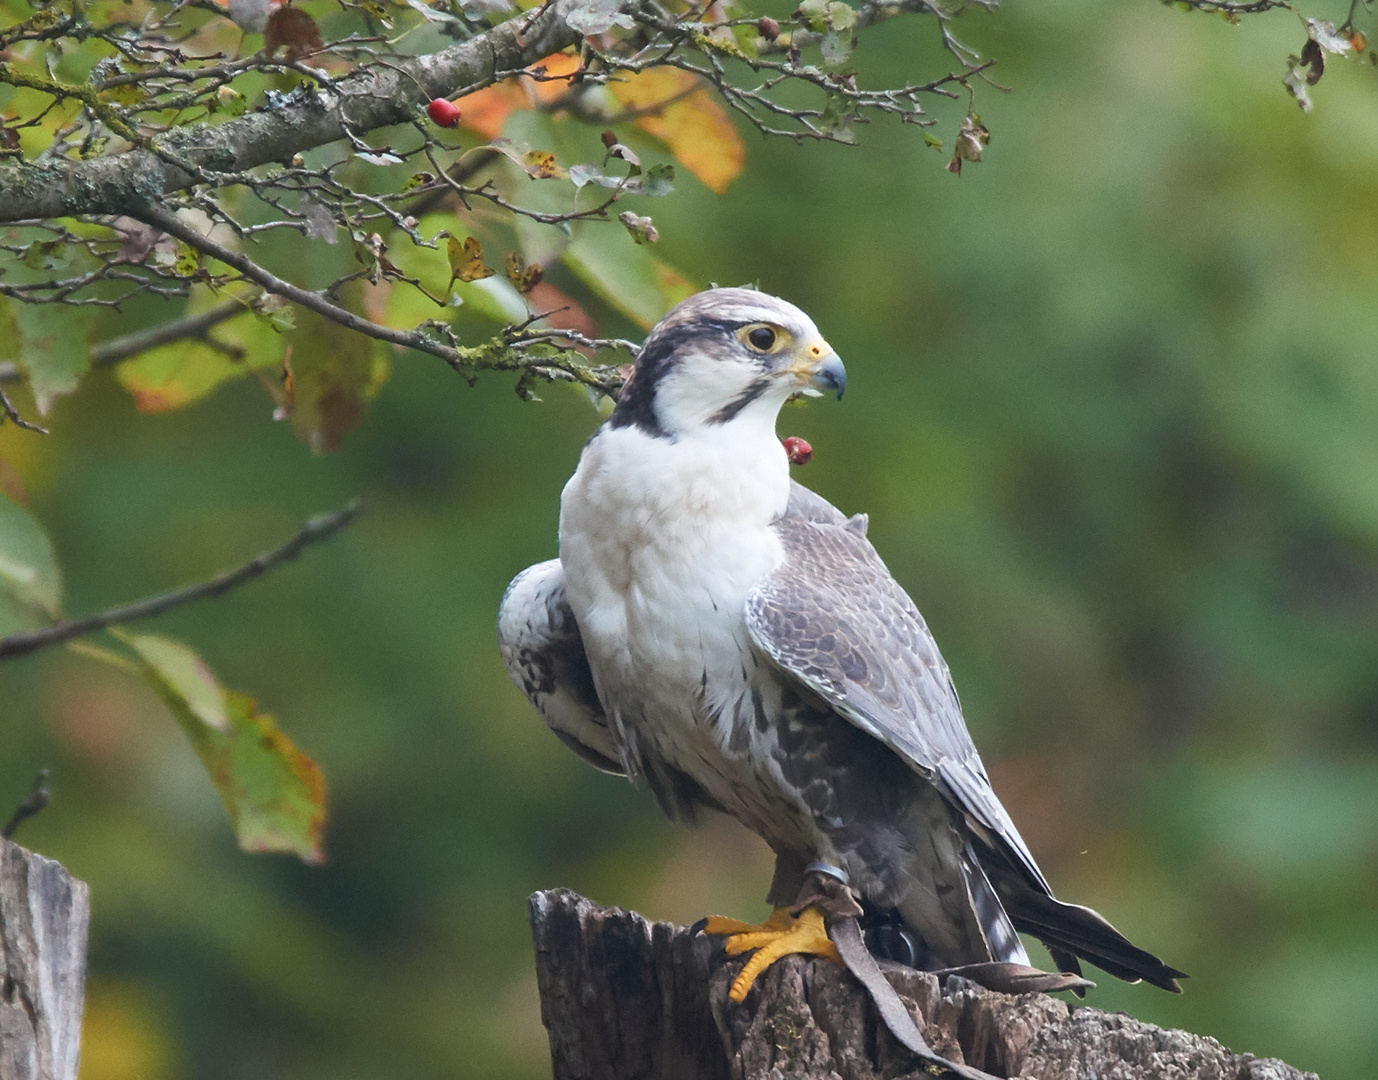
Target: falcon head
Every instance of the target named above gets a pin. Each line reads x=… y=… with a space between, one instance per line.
x=725 y=356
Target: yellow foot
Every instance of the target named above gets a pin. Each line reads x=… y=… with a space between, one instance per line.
x=778 y=936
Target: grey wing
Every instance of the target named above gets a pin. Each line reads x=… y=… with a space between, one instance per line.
x=544 y=654
x=833 y=617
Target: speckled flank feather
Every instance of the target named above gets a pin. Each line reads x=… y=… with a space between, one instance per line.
x=544 y=654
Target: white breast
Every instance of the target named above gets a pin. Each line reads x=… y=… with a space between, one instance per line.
x=661 y=542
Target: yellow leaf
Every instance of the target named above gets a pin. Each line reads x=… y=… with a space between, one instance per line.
x=170 y=376
x=682 y=114
x=540 y=165
x=466 y=259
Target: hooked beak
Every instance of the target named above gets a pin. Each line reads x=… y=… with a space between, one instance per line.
x=831 y=376
x=820 y=368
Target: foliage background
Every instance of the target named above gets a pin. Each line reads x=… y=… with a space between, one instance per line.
x=1114 y=414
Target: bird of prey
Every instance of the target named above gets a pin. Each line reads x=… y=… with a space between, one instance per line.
x=732 y=639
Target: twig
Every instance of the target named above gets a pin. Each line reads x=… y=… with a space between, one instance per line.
x=174 y=226
x=496 y=355
x=189 y=326
x=31 y=804
x=9 y=410
x=313 y=532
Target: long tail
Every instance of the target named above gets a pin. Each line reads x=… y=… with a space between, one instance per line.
x=1070 y=930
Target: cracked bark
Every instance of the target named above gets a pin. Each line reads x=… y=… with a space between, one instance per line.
x=624 y=998
x=44 y=915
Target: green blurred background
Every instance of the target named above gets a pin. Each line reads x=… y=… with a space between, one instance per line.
x=1114 y=415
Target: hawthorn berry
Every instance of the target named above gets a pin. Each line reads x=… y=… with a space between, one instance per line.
x=443 y=112
x=798 y=451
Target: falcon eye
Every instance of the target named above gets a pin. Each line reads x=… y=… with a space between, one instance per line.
x=761 y=339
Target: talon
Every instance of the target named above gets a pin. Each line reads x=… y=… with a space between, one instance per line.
x=780 y=935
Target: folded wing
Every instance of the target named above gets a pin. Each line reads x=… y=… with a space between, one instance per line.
x=832 y=617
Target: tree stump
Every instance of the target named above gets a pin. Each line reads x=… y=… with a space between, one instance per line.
x=627 y=999
x=44 y=917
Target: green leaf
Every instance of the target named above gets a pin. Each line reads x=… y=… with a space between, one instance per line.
x=658 y=180
x=188 y=676
x=30 y=584
x=230 y=102
x=838 y=114
x=39 y=255
x=53 y=349
x=188 y=261
x=815 y=15
x=335 y=373
x=274 y=793
x=841 y=17
x=626 y=275
x=124 y=94
x=276 y=313
x=173 y=375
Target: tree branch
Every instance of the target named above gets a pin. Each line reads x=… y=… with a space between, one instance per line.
x=32 y=803
x=127 y=345
x=313 y=532
x=502 y=353
x=373 y=98
x=174 y=226
x=189 y=326
x=7 y=409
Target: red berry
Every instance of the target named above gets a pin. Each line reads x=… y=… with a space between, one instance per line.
x=443 y=112
x=798 y=451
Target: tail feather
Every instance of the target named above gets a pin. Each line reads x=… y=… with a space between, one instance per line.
x=997 y=927
x=1070 y=931
x=1065 y=961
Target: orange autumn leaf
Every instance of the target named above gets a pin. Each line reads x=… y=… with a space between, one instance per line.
x=485 y=111
x=688 y=119
x=565 y=313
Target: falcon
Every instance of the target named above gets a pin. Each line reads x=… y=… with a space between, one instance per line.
x=729 y=638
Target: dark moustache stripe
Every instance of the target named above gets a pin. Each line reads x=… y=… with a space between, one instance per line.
x=636 y=404
x=730 y=410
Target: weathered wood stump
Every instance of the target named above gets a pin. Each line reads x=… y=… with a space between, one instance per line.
x=44 y=917
x=625 y=999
